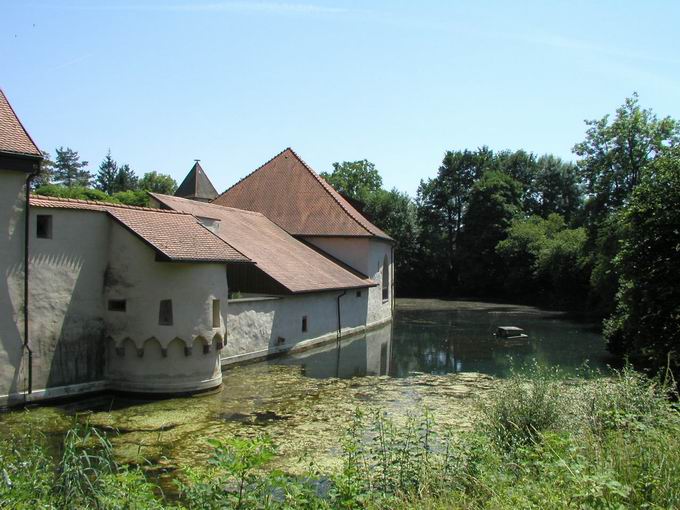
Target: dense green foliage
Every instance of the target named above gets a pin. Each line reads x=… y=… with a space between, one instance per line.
x=539 y=442
x=646 y=324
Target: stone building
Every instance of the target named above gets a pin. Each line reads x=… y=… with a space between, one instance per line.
x=97 y=296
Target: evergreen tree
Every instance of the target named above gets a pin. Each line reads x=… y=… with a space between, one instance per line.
x=69 y=170
x=126 y=179
x=106 y=176
x=46 y=172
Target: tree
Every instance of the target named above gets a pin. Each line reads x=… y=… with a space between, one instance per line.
x=69 y=170
x=126 y=179
x=614 y=156
x=106 y=176
x=442 y=204
x=544 y=259
x=554 y=188
x=158 y=183
x=395 y=213
x=46 y=171
x=645 y=324
x=495 y=200
x=354 y=179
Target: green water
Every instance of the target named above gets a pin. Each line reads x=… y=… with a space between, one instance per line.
x=435 y=354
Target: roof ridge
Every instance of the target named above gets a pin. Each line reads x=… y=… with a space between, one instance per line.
x=332 y=193
x=104 y=204
x=200 y=204
x=251 y=173
x=21 y=124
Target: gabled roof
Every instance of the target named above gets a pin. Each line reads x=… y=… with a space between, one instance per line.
x=14 y=139
x=290 y=262
x=196 y=185
x=175 y=236
x=295 y=197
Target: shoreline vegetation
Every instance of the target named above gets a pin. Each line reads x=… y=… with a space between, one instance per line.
x=539 y=441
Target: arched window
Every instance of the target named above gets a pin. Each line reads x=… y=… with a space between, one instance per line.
x=386 y=279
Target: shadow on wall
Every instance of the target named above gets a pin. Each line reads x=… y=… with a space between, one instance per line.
x=13 y=378
x=67 y=329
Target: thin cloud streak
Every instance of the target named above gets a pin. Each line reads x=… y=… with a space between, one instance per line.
x=264 y=7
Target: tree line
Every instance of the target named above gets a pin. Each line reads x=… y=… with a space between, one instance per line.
x=601 y=235
x=68 y=177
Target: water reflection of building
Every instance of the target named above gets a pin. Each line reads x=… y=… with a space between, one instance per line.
x=366 y=355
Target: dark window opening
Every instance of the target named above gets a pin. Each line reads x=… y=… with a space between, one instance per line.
x=304 y=324
x=216 y=321
x=44 y=226
x=117 y=305
x=358 y=293
x=280 y=341
x=386 y=279
x=165 y=313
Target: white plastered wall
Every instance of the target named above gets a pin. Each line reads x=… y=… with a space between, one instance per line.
x=12 y=207
x=256 y=324
x=366 y=255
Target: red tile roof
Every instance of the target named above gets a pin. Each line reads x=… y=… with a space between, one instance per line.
x=290 y=262
x=295 y=197
x=178 y=237
x=14 y=138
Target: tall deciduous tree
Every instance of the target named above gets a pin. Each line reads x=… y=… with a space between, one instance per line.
x=495 y=200
x=69 y=170
x=158 y=183
x=615 y=155
x=106 y=175
x=554 y=189
x=355 y=179
x=645 y=324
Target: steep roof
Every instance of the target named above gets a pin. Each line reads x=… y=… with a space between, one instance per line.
x=14 y=139
x=290 y=262
x=196 y=185
x=295 y=197
x=175 y=236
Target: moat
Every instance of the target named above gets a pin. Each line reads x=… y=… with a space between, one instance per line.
x=436 y=354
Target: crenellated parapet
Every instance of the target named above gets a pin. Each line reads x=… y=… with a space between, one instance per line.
x=171 y=366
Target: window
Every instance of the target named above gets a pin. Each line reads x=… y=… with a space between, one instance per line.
x=117 y=305
x=216 y=321
x=304 y=324
x=44 y=226
x=386 y=279
x=358 y=293
x=165 y=313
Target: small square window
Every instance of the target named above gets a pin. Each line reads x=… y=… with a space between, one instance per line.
x=165 y=313
x=44 y=226
x=117 y=305
x=216 y=321
x=304 y=324
x=358 y=293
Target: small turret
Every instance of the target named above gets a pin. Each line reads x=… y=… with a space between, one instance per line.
x=196 y=185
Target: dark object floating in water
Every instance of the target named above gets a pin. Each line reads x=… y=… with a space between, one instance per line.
x=511 y=335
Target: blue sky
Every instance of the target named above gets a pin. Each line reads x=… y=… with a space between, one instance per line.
x=398 y=83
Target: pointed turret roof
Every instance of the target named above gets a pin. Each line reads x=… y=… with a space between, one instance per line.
x=292 y=195
x=196 y=185
x=14 y=139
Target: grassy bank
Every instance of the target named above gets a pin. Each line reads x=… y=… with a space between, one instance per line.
x=540 y=442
